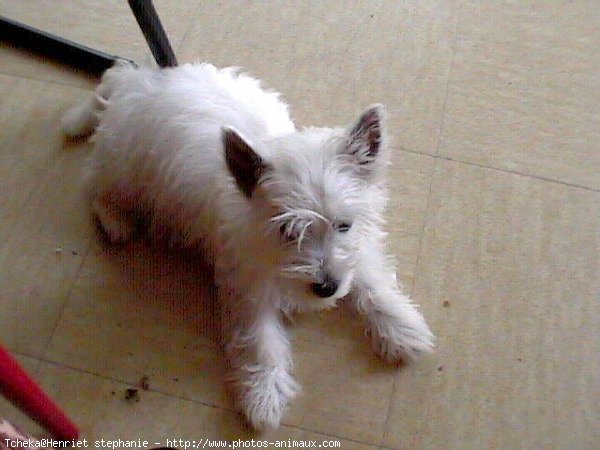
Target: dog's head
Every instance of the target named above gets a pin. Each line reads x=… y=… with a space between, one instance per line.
x=319 y=194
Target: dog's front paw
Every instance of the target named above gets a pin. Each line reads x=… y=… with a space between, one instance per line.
x=395 y=339
x=265 y=394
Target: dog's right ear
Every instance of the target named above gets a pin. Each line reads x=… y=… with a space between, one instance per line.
x=243 y=162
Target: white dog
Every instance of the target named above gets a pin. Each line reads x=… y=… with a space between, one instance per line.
x=292 y=218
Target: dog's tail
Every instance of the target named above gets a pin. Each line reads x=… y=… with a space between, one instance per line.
x=82 y=119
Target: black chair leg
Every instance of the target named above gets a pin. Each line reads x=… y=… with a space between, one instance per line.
x=155 y=35
x=85 y=58
x=63 y=50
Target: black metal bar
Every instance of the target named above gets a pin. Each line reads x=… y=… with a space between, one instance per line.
x=85 y=58
x=155 y=35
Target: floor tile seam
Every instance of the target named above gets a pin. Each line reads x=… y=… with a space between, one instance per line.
x=180 y=397
x=47 y=81
x=428 y=201
x=520 y=174
x=448 y=80
x=497 y=169
x=67 y=298
x=178 y=47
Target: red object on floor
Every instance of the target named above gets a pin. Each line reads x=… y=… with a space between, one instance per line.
x=20 y=389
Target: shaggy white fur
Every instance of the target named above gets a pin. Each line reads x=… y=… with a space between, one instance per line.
x=293 y=219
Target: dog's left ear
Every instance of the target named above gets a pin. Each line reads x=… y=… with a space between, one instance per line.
x=365 y=137
x=243 y=162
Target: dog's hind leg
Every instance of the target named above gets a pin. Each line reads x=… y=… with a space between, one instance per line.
x=83 y=119
x=117 y=223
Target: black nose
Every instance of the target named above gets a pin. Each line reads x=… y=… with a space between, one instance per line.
x=325 y=289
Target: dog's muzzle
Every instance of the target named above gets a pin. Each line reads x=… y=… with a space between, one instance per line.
x=325 y=289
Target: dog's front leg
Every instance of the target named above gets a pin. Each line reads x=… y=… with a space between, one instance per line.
x=395 y=326
x=259 y=354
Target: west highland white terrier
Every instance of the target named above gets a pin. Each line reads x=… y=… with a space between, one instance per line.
x=293 y=219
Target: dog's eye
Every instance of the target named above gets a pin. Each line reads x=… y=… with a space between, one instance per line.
x=282 y=228
x=286 y=233
x=343 y=227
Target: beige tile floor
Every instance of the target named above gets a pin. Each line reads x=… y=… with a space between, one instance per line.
x=495 y=220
